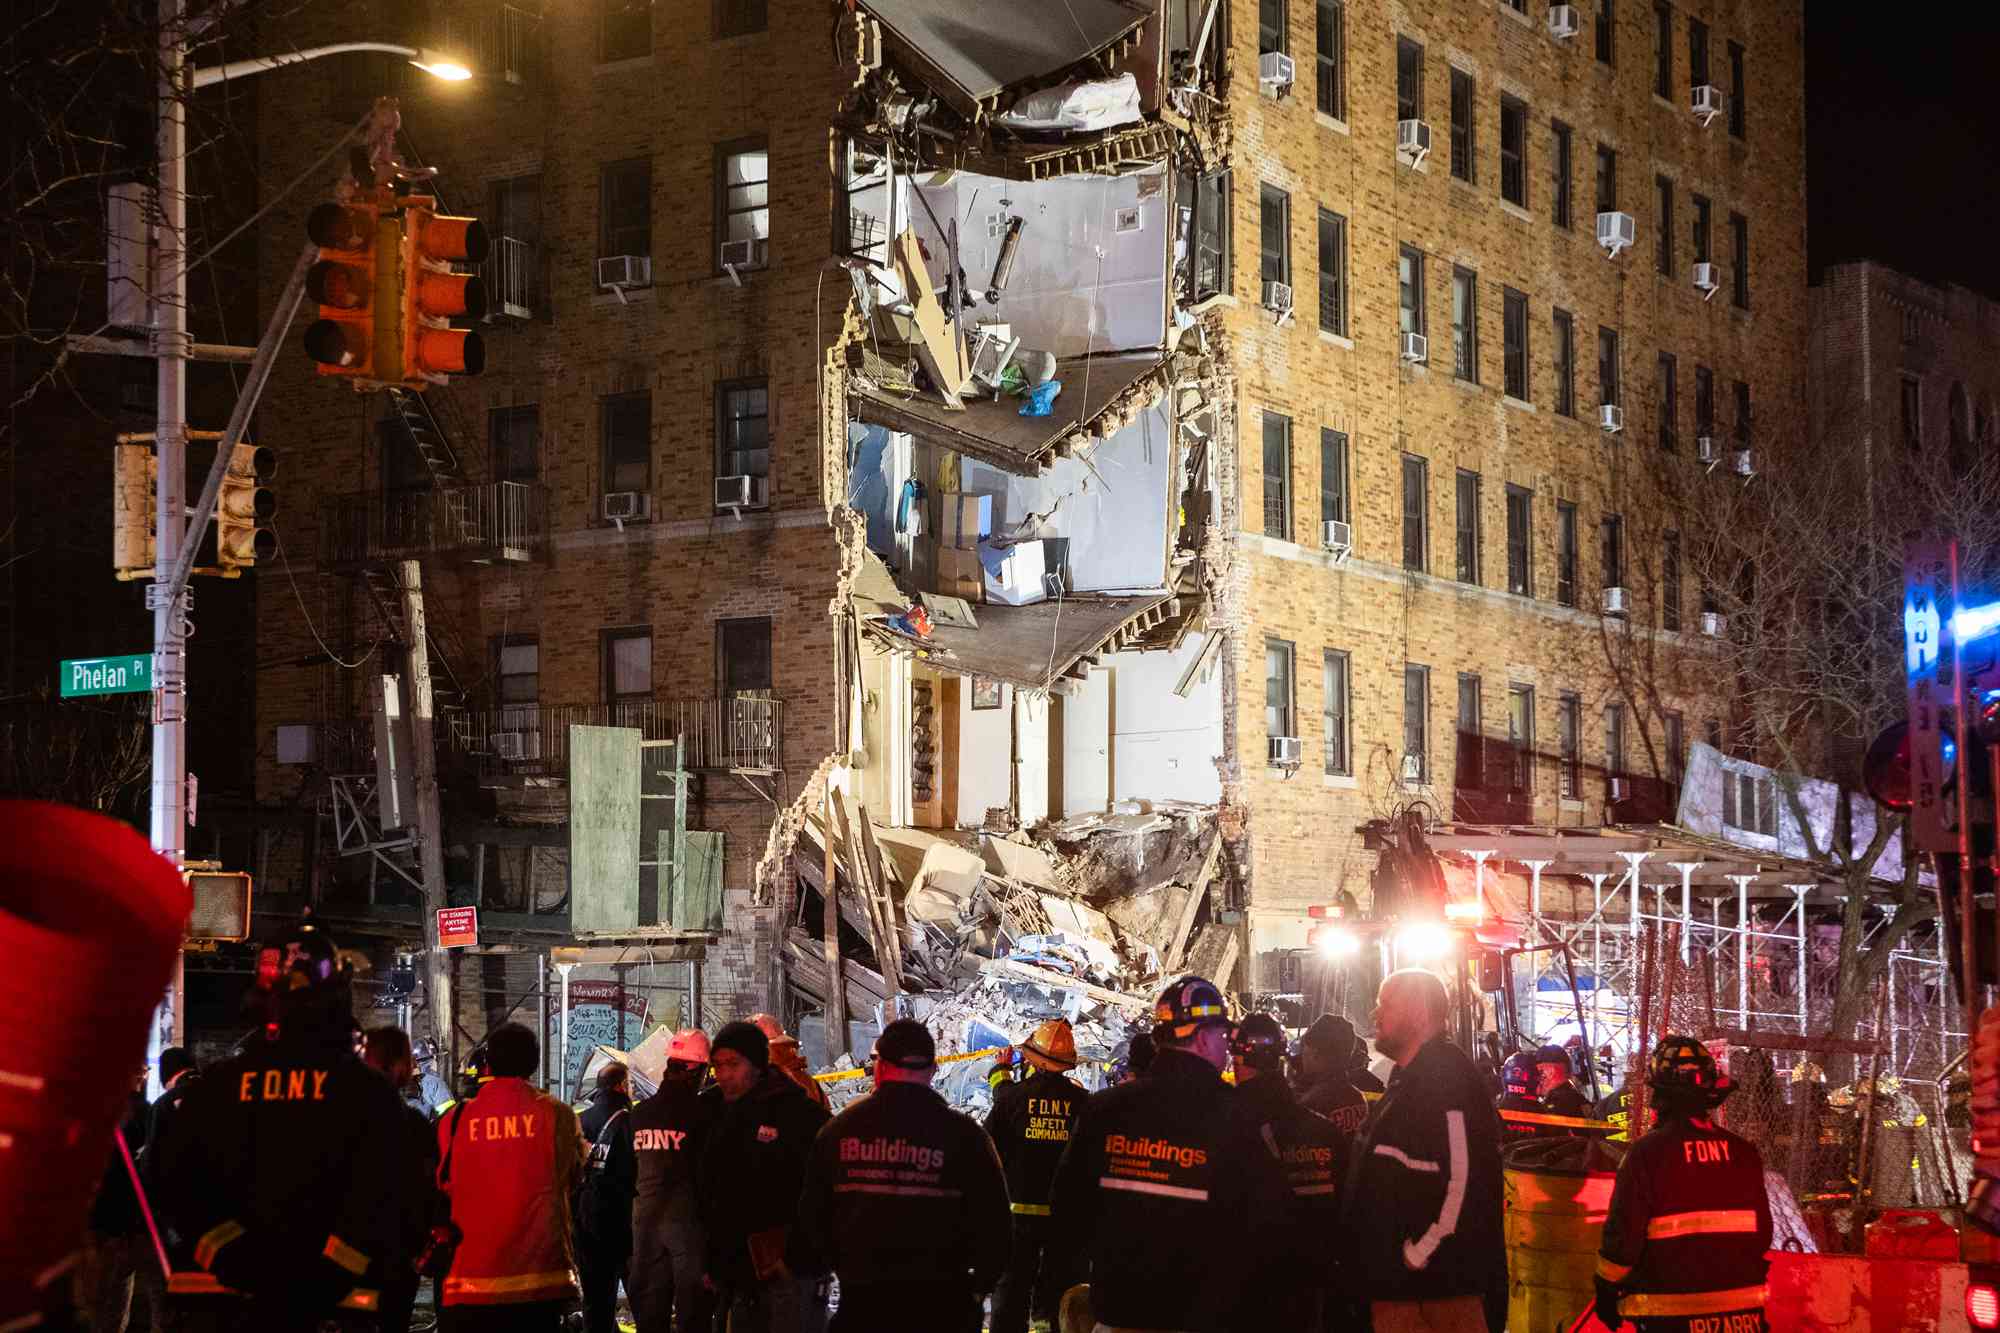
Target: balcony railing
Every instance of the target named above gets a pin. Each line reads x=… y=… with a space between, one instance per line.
x=742 y=733
x=513 y=277
x=490 y=522
x=503 y=44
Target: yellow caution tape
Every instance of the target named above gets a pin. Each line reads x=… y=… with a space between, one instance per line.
x=835 y=1075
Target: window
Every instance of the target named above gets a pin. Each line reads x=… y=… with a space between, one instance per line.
x=1331 y=43
x=627 y=425
x=1563 y=171
x=1416 y=511
x=1278 y=695
x=1520 y=542
x=517 y=670
x=1278 y=477
x=1569 y=737
x=1675 y=742
x=1663 y=239
x=1611 y=550
x=1913 y=328
x=1614 y=741
x=1669 y=387
x=1274 y=234
x=513 y=271
x=1271 y=23
x=1332 y=272
x=1670 y=581
x=1606 y=49
x=1514 y=340
x=1739 y=90
x=734 y=18
x=1565 y=363
x=625 y=208
x=1333 y=477
x=1704 y=401
x=1697 y=53
x=1416 y=723
x=743 y=429
x=1521 y=737
x=1462 y=140
x=1739 y=242
x=1607 y=179
x=1704 y=250
x=1565 y=553
x=1208 y=221
x=743 y=196
x=1410 y=289
x=1607 y=366
x=1514 y=151
x=1742 y=414
x=628 y=665
x=1712 y=731
x=1465 y=325
x=624 y=30
x=743 y=655
x=512 y=434
x=1409 y=80
x=1334 y=701
x=1468 y=527
x=1913 y=413
x=1469 y=758
x=1663 y=50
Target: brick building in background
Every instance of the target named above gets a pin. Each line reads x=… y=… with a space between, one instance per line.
x=1327 y=519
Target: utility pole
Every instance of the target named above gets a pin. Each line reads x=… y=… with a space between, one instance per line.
x=430 y=824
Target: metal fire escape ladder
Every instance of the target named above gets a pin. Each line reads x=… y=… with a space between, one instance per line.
x=449 y=694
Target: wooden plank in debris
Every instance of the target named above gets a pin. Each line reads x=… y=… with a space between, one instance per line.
x=856 y=876
x=836 y=996
x=1213 y=954
x=1178 y=941
x=939 y=348
x=892 y=970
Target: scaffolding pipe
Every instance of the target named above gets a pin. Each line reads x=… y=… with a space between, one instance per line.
x=1801 y=890
x=1743 y=950
x=1687 y=869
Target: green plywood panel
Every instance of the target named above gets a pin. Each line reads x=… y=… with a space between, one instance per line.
x=603 y=828
x=698 y=892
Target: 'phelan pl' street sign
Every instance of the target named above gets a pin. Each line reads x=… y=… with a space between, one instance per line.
x=129 y=674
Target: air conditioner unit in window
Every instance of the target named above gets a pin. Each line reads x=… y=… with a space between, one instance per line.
x=1614 y=601
x=1616 y=231
x=1413 y=767
x=1416 y=348
x=1611 y=417
x=1275 y=71
x=1707 y=279
x=1286 y=751
x=1714 y=624
x=1337 y=537
x=517 y=745
x=1743 y=463
x=740 y=255
x=1563 y=23
x=740 y=492
x=1413 y=141
x=1707 y=103
x=619 y=272
x=627 y=506
x=1278 y=298
x=1705 y=450
x=1619 y=789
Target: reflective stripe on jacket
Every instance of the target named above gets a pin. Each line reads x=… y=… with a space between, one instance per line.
x=515 y=1155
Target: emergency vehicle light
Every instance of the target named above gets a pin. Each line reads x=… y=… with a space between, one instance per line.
x=1335 y=942
x=1982 y=1305
x=1422 y=942
x=1465 y=914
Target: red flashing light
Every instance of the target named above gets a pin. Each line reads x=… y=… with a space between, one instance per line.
x=1982 y=1305
x=1324 y=911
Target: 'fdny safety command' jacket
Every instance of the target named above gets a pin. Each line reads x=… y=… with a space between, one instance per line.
x=1689 y=1224
x=1031 y=1124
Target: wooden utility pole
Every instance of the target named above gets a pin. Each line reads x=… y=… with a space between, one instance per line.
x=836 y=985
x=430 y=823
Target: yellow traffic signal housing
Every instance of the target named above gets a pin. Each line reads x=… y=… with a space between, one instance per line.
x=432 y=294
x=243 y=509
x=344 y=282
x=135 y=471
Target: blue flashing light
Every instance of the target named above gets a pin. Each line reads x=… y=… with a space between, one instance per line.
x=1975 y=622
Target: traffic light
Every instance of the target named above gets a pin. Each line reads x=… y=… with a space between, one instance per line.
x=345 y=337
x=432 y=294
x=243 y=509
x=135 y=471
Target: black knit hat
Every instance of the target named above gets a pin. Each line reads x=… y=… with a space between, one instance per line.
x=746 y=1040
x=1332 y=1034
x=906 y=1044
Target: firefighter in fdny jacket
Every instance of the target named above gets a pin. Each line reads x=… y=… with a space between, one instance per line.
x=666 y=1134
x=1166 y=1191
x=282 y=1179
x=1031 y=1124
x=1303 y=1290
x=1517 y=1093
x=1690 y=1222
x=906 y=1198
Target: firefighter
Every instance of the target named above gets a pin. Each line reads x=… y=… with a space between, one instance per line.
x=1422 y=1214
x=786 y=1059
x=1166 y=1192
x=1690 y=1222
x=510 y=1162
x=1327 y=1070
x=1031 y=1124
x=604 y=1200
x=1555 y=1084
x=1304 y=1290
x=666 y=1134
x=906 y=1198
x=283 y=1173
x=1517 y=1093
x=386 y=1050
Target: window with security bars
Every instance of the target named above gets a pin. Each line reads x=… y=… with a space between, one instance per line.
x=1465 y=325
x=1520 y=541
x=1565 y=362
x=1332 y=272
x=1468 y=527
x=1521 y=737
x=1416 y=765
x=1464 y=140
x=1569 y=742
x=1416 y=511
x=1514 y=151
x=1514 y=343
x=1409 y=80
x=1277 y=476
x=1330 y=43
x=1565 y=553
x=1469 y=761
x=1335 y=697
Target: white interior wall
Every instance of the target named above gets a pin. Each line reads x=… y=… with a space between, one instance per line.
x=985 y=754
x=1031 y=731
x=1163 y=747
x=1099 y=238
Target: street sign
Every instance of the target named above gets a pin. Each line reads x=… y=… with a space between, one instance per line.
x=131 y=673
x=458 y=927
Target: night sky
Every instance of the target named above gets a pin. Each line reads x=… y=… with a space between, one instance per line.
x=1903 y=146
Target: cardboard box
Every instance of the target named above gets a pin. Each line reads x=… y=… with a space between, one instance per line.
x=959 y=574
x=967 y=518
x=1014 y=573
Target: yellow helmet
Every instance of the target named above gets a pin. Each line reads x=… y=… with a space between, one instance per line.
x=1053 y=1046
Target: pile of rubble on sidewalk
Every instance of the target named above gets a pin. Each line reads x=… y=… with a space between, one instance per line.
x=989 y=936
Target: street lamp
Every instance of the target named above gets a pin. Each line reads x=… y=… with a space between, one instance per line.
x=171 y=343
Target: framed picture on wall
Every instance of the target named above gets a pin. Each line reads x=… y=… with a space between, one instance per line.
x=985 y=693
